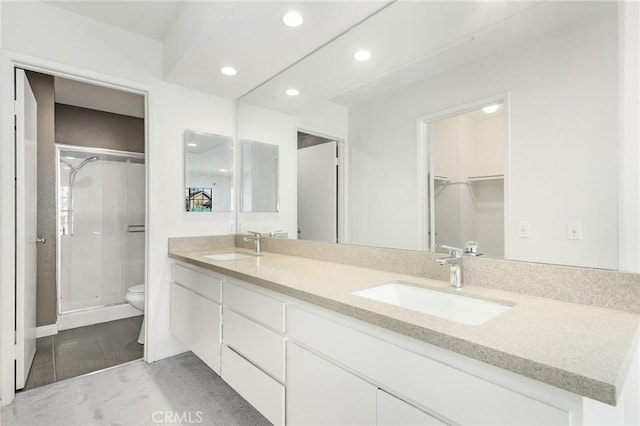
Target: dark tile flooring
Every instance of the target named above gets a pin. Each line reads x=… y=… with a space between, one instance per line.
x=79 y=351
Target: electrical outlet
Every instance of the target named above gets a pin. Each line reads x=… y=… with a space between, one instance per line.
x=240 y=228
x=574 y=231
x=524 y=230
x=232 y=227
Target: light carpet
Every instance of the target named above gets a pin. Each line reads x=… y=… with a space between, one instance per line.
x=177 y=390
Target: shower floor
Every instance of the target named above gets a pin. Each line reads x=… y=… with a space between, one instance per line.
x=79 y=351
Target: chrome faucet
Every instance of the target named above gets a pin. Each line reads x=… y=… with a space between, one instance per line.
x=454 y=261
x=258 y=239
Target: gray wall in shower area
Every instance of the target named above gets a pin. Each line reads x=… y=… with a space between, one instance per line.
x=97 y=129
x=43 y=89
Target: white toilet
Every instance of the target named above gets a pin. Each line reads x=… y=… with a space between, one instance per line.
x=135 y=296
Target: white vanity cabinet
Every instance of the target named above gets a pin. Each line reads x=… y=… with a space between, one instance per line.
x=442 y=391
x=321 y=393
x=196 y=312
x=338 y=370
x=253 y=351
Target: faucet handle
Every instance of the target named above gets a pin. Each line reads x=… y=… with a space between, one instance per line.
x=256 y=234
x=453 y=251
x=471 y=248
x=274 y=234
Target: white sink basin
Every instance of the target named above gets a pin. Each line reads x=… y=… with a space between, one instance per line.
x=228 y=256
x=465 y=310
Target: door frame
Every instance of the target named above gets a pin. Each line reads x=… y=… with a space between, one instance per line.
x=425 y=165
x=8 y=62
x=342 y=179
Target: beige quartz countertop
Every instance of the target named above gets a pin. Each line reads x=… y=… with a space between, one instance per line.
x=583 y=349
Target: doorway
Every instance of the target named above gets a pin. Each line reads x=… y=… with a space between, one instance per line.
x=76 y=263
x=318 y=187
x=464 y=169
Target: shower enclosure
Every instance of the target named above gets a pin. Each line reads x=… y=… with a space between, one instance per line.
x=101 y=216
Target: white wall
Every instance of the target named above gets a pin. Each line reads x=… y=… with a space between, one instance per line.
x=70 y=42
x=268 y=126
x=564 y=121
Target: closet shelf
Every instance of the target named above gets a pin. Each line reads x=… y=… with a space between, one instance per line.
x=470 y=179
x=483 y=178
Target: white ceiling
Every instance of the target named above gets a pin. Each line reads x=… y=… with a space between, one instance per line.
x=200 y=37
x=410 y=40
x=152 y=19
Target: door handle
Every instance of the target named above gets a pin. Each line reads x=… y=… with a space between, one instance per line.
x=41 y=240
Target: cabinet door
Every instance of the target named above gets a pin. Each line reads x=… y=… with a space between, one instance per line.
x=195 y=321
x=321 y=393
x=395 y=412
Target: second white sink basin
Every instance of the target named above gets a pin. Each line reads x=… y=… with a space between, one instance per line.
x=454 y=307
x=228 y=256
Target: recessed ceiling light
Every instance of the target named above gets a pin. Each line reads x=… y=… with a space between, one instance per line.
x=292 y=19
x=228 y=71
x=362 y=55
x=192 y=144
x=491 y=108
x=292 y=92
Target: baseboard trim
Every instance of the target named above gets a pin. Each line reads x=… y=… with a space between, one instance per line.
x=95 y=316
x=46 y=330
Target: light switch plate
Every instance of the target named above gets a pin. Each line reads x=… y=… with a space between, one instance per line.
x=524 y=229
x=574 y=231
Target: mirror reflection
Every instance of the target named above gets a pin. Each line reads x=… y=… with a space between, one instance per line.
x=258 y=176
x=467 y=180
x=208 y=172
x=555 y=65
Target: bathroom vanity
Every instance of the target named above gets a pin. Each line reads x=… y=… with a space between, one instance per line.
x=287 y=333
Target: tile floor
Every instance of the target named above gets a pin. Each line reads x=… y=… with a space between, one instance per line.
x=79 y=351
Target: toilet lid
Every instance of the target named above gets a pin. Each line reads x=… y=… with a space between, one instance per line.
x=137 y=289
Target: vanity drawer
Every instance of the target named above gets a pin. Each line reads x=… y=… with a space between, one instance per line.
x=261 y=308
x=202 y=283
x=258 y=344
x=264 y=393
x=437 y=387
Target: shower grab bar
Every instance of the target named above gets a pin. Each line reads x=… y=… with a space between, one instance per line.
x=135 y=228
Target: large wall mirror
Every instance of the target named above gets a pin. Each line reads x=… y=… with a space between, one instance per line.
x=208 y=172
x=259 y=164
x=539 y=185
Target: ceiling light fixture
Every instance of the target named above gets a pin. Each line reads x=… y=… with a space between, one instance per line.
x=491 y=108
x=292 y=19
x=192 y=144
x=228 y=71
x=362 y=55
x=292 y=92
